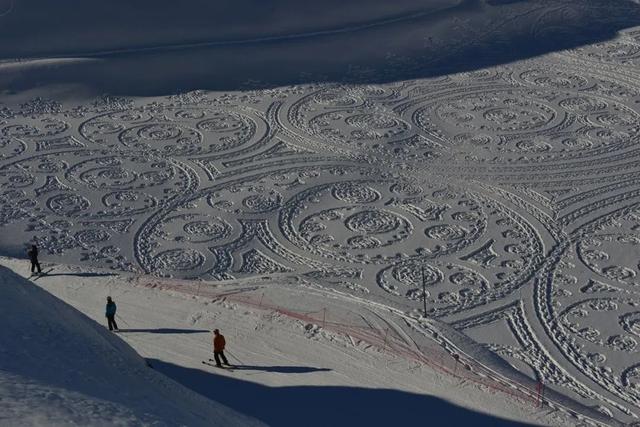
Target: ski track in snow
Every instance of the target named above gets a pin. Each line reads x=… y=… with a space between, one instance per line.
x=512 y=192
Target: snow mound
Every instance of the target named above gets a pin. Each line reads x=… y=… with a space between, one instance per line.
x=58 y=367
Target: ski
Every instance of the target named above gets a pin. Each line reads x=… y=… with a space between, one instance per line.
x=225 y=366
x=39 y=275
x=208 y=363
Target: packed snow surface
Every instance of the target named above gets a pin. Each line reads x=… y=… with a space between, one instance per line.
x=478 y=157
x=58 y=367
x=288 y=371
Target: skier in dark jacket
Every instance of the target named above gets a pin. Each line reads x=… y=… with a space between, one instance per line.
x=111 y=314
x=33 y=257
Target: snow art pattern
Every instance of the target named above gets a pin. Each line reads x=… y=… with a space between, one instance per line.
x=512 y=193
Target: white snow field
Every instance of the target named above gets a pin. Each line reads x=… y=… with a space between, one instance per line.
x=477 y=157
x=58 y=367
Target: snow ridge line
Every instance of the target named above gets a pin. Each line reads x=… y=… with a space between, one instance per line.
x=446 y=361
x=251 y=40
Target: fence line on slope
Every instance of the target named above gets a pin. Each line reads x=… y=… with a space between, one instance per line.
x=446 y=360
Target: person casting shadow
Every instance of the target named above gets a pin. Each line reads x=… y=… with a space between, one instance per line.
x=111 y=314
x=218 y=348
x=33 y=257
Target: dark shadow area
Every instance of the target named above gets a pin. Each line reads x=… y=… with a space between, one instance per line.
x=463 y=35
x=167 y=331
x=326 y=405
x=80 y=274
x=281 y=369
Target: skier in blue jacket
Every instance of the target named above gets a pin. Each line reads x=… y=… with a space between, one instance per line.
x=111 y=314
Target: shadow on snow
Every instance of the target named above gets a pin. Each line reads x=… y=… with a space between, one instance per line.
x=166 y=331
x=326 y=405
x=281 y=369
x=80 y=274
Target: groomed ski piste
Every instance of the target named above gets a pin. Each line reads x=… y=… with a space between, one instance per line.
x=360 y=364
x=394 y=211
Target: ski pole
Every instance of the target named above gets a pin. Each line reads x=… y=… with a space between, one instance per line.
x=123 y=321
x=231 y=354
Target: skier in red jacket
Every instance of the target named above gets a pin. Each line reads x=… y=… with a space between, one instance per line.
x=218 y=348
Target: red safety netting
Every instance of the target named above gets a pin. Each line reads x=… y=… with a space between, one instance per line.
x=443 y=357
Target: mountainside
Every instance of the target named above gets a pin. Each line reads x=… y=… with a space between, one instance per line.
x=68 y=26
x=470 y=164
x=155 y=48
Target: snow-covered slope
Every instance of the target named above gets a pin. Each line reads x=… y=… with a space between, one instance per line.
x=68 y=26
x=138 y=49
x=293 y=372
x=479 y=163
x=58 y=367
